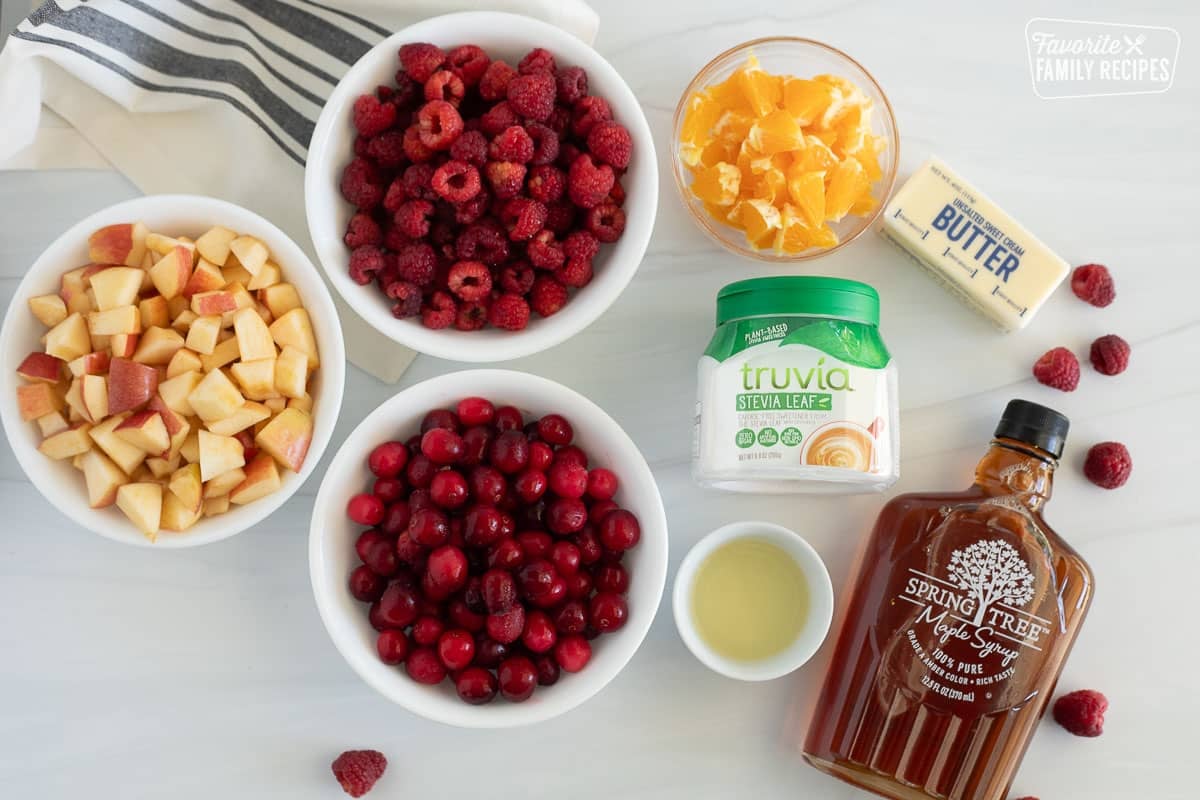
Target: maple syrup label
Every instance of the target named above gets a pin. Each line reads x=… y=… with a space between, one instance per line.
x=970 y=625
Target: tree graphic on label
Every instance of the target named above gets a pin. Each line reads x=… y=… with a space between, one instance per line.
x=991 y=571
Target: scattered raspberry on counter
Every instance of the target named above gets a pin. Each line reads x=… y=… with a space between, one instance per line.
x=1108 y=465
x=358 y=770
x=1110 y=354
x=1058 y=369
x=1092 y=283
x=1081 y=712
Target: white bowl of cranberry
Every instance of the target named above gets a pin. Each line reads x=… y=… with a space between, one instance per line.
x=481 y=186
x=488 y=549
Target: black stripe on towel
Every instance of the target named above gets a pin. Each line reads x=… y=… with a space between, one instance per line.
x=154 y=87
x=366 y=23
x=338 y=43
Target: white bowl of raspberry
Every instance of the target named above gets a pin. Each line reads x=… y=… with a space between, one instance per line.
x=499 y=568
x=481 y=186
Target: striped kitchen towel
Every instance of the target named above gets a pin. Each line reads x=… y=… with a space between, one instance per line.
x=215 y=97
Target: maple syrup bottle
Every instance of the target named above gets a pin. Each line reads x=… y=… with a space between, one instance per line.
x=964 y=609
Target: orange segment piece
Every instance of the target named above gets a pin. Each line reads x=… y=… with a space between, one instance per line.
x=806 y=100
x=770 y=186
x=807 y=191
x=793 y=235
x=718 y=184
x=777 y=132
x=763 y=91
x=760 y=219
x=700 y=119
x=846 y=185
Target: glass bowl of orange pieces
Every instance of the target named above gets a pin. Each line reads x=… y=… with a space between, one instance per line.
x=785 y=149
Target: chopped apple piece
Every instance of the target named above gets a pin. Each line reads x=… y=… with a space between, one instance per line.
x=37 y=400
x=155 y=312
x=269 y=275
x=186 y=485
x=250 y=252
x=90 y=364
x=287 y=437
x=276 y=404
x=172 y=272
x=94 y=391
x=177 y=305
x=49 y=309
x=162 y=467
x=157 y=346
x=291 y=372
x=280 y=298
x=74 y=401
x=116 y=287
x=214 y=243
x=294 y=328
x=184 y=360
x=225 y=352
x=124 y=243
x=161 y=245
x=122 y=319
x=48 y=369
x=216 y=505
x=218 y=302
x=52 y=423
x=130 y=385
x=175 y=391
x=235 y=273
x=122 y=345
x=184 y=320
x=241 y=298
x=215 y=397
x=69 y=339
x=175 y=516
x=254 y=338
x=103 y=478
x=257 y=378
x=146 y=431
x=190 y=451
x=224 y=483
x=249 y=414
x=142 y=503
x=262 y=478
x=202 y=335
x=74 y=293
x=126 y=456
x=206 y=277
x=219 y=454
x=67 y=444
x=173 y=421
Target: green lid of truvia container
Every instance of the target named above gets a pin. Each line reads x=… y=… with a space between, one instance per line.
x=803 y=295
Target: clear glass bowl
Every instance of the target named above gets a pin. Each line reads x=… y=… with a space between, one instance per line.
x=803 y=58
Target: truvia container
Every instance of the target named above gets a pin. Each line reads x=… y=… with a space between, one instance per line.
x=797 y=391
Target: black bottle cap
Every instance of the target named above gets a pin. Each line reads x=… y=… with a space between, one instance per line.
x=1033 y=424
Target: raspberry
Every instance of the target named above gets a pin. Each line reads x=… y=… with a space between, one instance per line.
x=560 y=217
x=421 y=59
x=1092 y=283
x=1058 y=369
x=456 y=181
x=361 y=184
x=494 y=83
x=581 y=246
x=506 y=178
x=470 y=280
x=473 y=209
x=545 y=143
x=548 y=296
x=471 y=317
x=546 y=184
x=468 y=61
x=510 y=312
x=406 y=92
x=481 y=243
x=538 y=59
x=587 y=112
x=567 y=155
x=544 y=252
x=396 y=195
x=360 y=145
x=511 y=144
x=439 y=312
x=358 y=770
x=363 y=229
x=497 y=118
x=388 y=149
x=523 y=218
x=439 y=124
x=516 y=278
x=412 y=218
x=1110 y=354
x=407 y=296
x=471 y=147
x=1081 y=712
x=384 y=92
x=445 y=85
x=1108 y=465
x=416 y=263
x=571 y=84
x=414 y=148
x=560 y=121
x=365 y=261
x=588 y=184
x=611 y=143
x=418 y=180
x=617 y=195
x=393 y=239
x=576 y=274
x=372 y=117
x=532 y=95
x=606 y=222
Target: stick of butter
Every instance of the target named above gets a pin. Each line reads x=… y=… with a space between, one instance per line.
x=972 y=246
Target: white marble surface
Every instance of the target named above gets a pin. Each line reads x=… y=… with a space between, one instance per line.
x=196 y=674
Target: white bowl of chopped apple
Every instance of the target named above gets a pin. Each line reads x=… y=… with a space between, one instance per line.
x=176 y=370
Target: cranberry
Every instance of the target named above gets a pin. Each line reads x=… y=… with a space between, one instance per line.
x=555 y=429
x=419 y=499
x=447 y=570
x=419 y=471
x=536 y=576
x=572 y=653
x=509 y=453
x=380 y=557
x=541 y=455
x=392 y=646
x=461 y=615
x=612 y=578
x=476 y=442
x=535 y=544
x=409 y=552
x=547 y=669
x=439 y=418
x=426 y=630
x=565 y=557
x=552 y=595
x=456 y=649
x=601 y=484
x=365 y=509
x=518 y=678
x=398 y=606
x=476 y=685
x=608 y=612
x=505 y=627
x=571 y=455
x=489 y=652
x=590 y=550
x=499 y=590
x=448 y=489
x=487 y=485
x=509 y=418
x=423 y=666
x=579 y=585
x=481 y=527
x=365 y=585
x=599 y=509
x=389 y=490
x=365 y=541
x=530 y=485
x=396 y=518
x=442 y=446
x=506 y=554
x=568 y=480
x=566 y=515
x=375 y=617
x=571 y=618
x=388 y=459
x=620 y=531
x=508 y=525
x=429 y=528
x=539 y=634
x=475 y=411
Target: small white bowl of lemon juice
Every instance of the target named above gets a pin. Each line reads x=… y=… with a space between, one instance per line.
x=753 y=601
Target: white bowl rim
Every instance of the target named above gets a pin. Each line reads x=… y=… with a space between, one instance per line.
x=459 y=345
x=402 y=690
x=820 y=601
x=292 y=258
